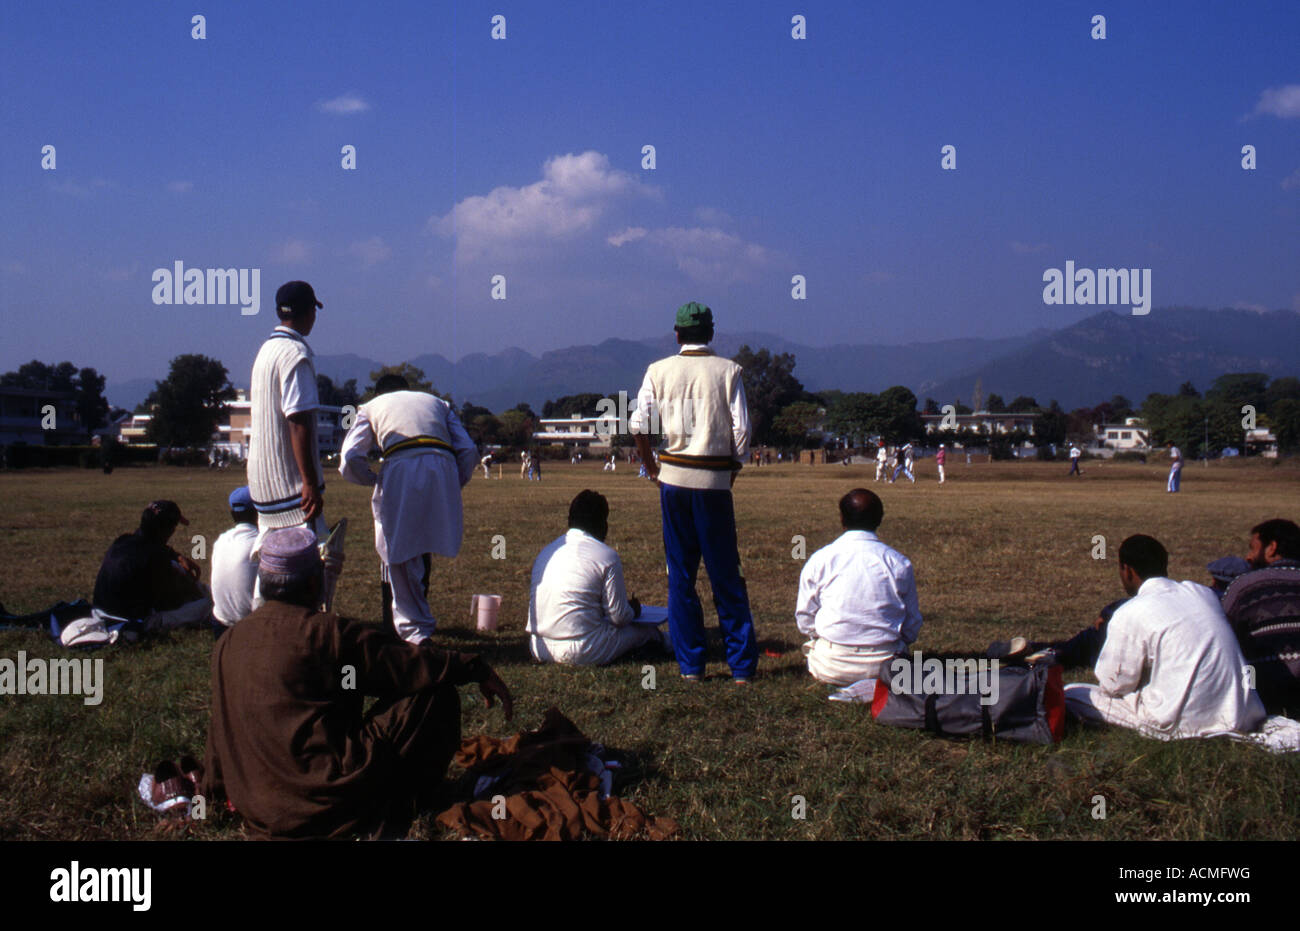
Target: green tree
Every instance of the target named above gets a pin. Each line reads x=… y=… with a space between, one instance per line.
x=995 y=404
x=1051 y=425
x=856 y=416
x=1023 y=405
x=900 y=420
x=188 y=403
x=769 y=386
x=332 y=395
x=1285 y=418
x=516 y=428
x=570 y=404
x=795 y=423
x=1280 y=389
x=92 y=408
x=415 y=379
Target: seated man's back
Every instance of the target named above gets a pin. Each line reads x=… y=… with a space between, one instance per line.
x=1172 y=664
x=234 y=573
x=286 y=743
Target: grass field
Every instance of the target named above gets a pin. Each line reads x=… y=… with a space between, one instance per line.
x=1001 y=549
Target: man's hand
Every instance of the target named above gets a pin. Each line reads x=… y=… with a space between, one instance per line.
x=190 y=566
x=312 y=502
x=636 y=606
x=493 y=688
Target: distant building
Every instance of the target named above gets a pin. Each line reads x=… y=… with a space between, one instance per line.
x=984 y=422
x=1261 y=442
x=576 y=432
x=1131 y=436
x=25 y=416
x=235 y=429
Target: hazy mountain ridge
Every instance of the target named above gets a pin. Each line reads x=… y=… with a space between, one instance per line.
x=1083 y=364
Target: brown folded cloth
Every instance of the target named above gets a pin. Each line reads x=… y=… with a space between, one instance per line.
x=549 y=792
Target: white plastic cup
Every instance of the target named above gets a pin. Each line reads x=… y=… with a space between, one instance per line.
x=485 y=608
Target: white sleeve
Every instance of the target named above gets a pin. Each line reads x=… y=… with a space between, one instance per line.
x=298 y=393
x=463 y=446
x=805 y=612
x=353 y=464
x=643 y=415
x=1123 y=658
x=616 y=604
x=907 y=588
x=739 y=419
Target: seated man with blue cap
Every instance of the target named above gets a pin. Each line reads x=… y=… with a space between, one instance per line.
x=290 y=744
x=234 y=567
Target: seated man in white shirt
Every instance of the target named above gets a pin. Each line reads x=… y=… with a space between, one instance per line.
x=857 y=598
x=1171 y=666
x=234 y=567
x=579 y=612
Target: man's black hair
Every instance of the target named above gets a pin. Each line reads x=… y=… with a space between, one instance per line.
x=391 y=382
x=588 y=511
x=1282 y=532
x=861 y=509
x=700 y=333
x=1144 y=555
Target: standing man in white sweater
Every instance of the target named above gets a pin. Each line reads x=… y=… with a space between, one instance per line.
x=698 y=402
x=284 y=474
x=428 y=458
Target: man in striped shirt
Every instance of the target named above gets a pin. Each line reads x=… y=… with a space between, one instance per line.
x=697 y=401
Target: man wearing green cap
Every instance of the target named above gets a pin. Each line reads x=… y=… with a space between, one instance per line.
x=696 y=400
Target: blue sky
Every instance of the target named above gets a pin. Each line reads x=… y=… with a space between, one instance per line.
x=522 y=158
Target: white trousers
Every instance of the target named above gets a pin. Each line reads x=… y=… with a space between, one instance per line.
x=603 y=645
x=940 y=475
x=1089 y=703
x=411 y=615
x=880 y=469
x=838 y=664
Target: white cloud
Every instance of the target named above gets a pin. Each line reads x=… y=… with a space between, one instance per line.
x=631 y=234
x=78 y=189
x=180 y=187
x=574 y=193
x=1282 y=102
x=1029 y=248
x=713 y=216
x=705 y=255
x=1291 y=181
x=291 y=252
x=371 y=251
x=344 y=105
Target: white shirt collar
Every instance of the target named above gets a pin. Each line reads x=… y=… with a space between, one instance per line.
x=859 y=535
x=695 y=347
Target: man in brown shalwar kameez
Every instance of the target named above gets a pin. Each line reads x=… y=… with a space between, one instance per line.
x=289 y=744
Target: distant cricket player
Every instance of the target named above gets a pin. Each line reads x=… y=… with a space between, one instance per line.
x=1075 y=453
x=905 y=462
x=1175 y=468
x=882 y=456
x=941 y=459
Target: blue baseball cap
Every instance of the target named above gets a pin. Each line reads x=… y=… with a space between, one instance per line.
x=241 y=499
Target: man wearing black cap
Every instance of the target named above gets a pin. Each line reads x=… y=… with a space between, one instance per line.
x=284 y=474
x=697 y=401
x=143 y=579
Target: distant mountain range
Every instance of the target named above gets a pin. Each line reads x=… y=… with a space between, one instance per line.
x=1083 y=364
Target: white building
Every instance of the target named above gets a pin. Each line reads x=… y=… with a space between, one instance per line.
x=576 y=432
x=1131 y=436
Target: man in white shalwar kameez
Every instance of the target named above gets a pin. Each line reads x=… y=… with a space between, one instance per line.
x=1171 y=666
x=428 y=458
